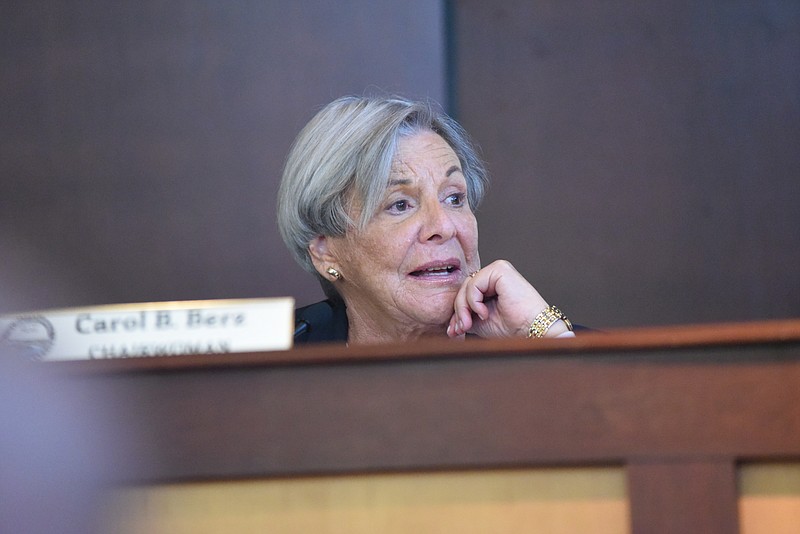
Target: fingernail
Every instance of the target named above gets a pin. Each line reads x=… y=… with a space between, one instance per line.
x=449 y=327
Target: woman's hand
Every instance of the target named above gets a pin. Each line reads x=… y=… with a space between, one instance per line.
x=497 y=301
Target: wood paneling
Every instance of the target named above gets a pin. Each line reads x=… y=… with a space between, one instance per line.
x=689 y=496
x=644 y=155
x=678 y=412
x=142 y=142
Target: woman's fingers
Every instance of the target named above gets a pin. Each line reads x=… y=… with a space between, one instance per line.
x=495 y=301
x=475 y=295
x=470 y=304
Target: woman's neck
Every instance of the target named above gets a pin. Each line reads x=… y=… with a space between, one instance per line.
x=365 y=329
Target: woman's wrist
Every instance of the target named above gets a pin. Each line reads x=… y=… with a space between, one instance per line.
x=550 y=322
x=558 y=329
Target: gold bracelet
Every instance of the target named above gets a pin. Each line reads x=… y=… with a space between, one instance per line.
x=542 y=323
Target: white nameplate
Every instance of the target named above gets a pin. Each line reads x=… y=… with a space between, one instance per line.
x=151 y=329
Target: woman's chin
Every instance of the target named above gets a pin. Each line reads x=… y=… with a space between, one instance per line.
x=434 y=314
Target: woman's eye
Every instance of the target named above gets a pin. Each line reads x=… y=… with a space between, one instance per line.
x=456 y=199
x=399 y=206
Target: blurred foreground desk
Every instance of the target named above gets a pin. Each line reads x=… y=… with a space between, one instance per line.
x=678 y=409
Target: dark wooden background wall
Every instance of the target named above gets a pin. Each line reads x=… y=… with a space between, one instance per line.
x=646 y=156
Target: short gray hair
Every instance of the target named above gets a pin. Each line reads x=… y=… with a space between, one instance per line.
x=345 y=153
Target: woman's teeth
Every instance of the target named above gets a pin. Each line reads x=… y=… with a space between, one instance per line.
x=435 y=271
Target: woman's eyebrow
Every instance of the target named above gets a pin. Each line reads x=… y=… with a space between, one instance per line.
x=451 y=170
x=406 y=181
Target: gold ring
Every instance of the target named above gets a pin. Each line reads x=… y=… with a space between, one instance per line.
x=473 y=273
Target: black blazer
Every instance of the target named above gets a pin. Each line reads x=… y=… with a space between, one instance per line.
x=324 y=321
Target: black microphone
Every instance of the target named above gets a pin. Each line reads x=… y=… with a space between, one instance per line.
x=313 y=316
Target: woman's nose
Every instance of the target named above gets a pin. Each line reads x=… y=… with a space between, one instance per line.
x=437 y=224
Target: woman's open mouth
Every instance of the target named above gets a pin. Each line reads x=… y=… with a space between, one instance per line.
x=437 y=269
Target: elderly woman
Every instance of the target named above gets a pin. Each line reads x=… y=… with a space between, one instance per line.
x=377 y=200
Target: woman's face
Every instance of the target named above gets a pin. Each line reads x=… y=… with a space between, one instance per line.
x=404 y=269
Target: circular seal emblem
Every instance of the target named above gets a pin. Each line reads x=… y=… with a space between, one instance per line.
x=29 y=336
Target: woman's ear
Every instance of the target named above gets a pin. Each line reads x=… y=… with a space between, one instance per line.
x=322 y=255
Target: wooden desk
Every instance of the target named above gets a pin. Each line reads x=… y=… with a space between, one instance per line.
x=678 y=407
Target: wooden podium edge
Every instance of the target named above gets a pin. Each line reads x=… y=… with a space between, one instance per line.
x=622 y=341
